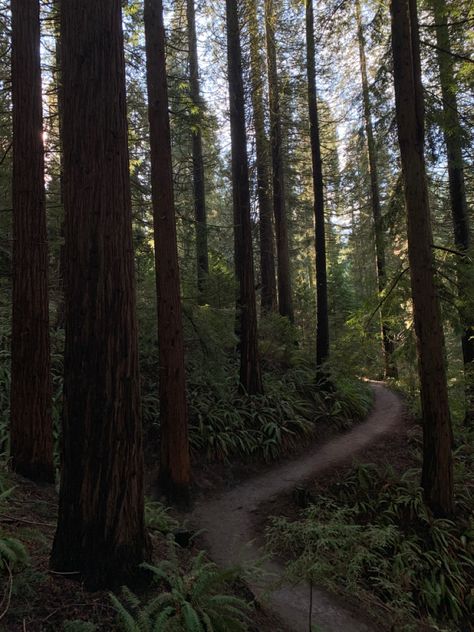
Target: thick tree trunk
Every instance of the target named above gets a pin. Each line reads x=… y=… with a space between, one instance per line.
x=175 y=470
x=457 y=188
x=250 y=376
x=267 y=257
x=387 y=340
x=31 y=394
x=322 y=331
x=198 y=162
x=437 y=475
x=100 y=531
x=285 y=299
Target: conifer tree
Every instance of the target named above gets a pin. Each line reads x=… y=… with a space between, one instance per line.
x=437 y=473
x=200 y=215
x=285 y=298
x=457 y=188
x=100 y=532
x=174 y=473
x=262 y=151
x=250 y=376
x=31 y=391
x=387 y=341
x=322 y=323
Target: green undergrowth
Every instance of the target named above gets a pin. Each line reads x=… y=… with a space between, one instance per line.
x=226 y=425
x=185 y=592
x=268 y=426
x=196 y=597
x=371 y=537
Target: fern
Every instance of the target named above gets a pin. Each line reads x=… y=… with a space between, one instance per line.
x=157 y=518
x=193 y=601
x=12 y=552
x=373 y=535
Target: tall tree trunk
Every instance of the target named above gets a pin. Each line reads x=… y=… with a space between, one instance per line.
x=175 y=470
x=198 y=162
x=31 y=393
x=437 y=474
x=60 y=309
x=250 y=376
x=100 y=532
x=387 y=341
x=285 y=300
x=267 y=259
x=457 y=188
x=322 y=331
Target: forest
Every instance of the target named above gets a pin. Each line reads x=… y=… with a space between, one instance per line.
x=236 y=316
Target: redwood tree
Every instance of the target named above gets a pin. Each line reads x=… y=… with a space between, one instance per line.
x=437 y=474
x=457 y=187
x=387 y=341
x=262 y=155
x=31 y=394
x=174 y=473
x=250 y=375
x=200 y=216
x=100 y=532
x=285 y=299
x=322 y=332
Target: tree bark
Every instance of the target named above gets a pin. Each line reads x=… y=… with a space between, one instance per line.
x=437 y=472
x=198 y=162
x=322 y=330
x=250 y=376
x=387 y=340
x=457 y=188
x=100 y=532
x=285 y=300
x=175 y=469
x=31 y=391
x=267 y=257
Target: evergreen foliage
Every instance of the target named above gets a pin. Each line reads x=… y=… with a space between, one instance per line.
x=192 y=600
x=372 y=537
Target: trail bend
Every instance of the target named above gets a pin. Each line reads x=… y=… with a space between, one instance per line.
x=226 y=521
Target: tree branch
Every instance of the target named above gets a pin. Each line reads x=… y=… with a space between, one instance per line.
x=386 y=296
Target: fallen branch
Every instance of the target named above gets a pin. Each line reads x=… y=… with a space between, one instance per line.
x=5 y=518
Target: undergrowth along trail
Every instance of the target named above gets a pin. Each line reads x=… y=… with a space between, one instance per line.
x=228 y=526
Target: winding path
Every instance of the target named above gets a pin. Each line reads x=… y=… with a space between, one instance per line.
x=227 y=522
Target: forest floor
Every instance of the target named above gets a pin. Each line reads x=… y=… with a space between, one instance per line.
x=37 y=600
x=229 y=522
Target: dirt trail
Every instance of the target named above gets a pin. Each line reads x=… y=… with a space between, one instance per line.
x=228 y=532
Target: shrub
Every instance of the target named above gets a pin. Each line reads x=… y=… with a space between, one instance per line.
x=194 y=601
x=373 y=536
x=157 y=518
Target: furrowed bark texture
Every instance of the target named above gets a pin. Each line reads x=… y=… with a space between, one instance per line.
x=322 y=331
x=100 y=531
x=437 y=473
x=387 y=340
x=175 y=471
x=262 y=151
x=198 y=162
x=31 y=393
x=285 y=299
x=250 y=376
